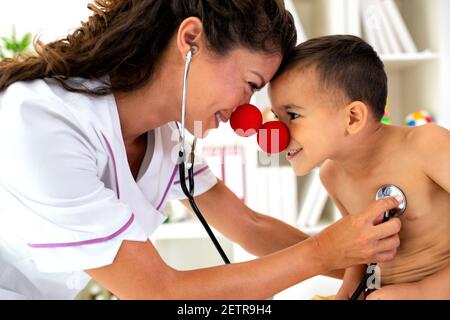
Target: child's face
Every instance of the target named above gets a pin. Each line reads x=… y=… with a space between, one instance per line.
x=313 y=116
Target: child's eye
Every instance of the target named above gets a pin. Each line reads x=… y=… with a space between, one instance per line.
x=293 y=116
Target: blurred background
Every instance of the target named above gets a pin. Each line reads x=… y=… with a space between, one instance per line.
x=411 y=36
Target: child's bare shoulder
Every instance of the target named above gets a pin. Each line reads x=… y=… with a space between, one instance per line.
x=427 y=139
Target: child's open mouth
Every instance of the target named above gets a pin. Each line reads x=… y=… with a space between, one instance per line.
x=293 y=153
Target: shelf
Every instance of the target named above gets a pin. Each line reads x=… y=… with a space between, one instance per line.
x=191 y=229
x=398 y=62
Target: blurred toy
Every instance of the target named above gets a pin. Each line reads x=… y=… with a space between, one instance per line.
x=387 y=115
x=386 y=118
x=419 y=118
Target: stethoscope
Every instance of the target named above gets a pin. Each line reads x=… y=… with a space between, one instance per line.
x=189 y=191
x=385 y=191
x=282 y=142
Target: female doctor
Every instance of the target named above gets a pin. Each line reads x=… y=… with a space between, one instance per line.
x=89 y=156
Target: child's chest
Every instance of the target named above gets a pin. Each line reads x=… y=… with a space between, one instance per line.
x=428 y=205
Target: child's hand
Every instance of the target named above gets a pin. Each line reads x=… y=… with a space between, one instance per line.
x=407 y=291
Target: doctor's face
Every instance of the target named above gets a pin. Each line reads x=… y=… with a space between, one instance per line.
x=217 y=85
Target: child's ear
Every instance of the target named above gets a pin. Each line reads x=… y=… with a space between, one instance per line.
x=356 y=116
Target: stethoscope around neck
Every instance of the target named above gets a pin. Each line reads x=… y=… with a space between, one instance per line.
x=385 y=191
x=188 y=189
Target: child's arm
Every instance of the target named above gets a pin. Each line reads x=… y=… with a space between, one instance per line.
x=434 y=287
x=433 y=148
x=352 y=278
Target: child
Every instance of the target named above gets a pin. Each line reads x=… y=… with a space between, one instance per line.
x=331 y=92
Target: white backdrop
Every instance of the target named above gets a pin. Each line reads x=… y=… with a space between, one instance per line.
x=52 y=19
x=445 y=56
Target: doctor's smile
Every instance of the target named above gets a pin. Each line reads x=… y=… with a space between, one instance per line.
x=106 y=125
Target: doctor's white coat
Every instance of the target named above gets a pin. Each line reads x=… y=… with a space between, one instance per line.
x=67 y=196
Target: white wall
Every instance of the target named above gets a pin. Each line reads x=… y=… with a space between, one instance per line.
x=51 y=18
x=445 y=64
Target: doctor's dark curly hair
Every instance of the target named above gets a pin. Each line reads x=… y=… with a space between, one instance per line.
x=125 y=38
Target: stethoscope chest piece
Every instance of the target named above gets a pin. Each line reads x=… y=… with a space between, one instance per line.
x=386 y=191
x=390 y=190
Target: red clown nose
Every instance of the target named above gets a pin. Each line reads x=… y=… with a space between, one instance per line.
x=246 y=120
x=273 y=137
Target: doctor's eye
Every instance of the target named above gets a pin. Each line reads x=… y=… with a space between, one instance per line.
x=274 y=114
x=293 y=115
x=253 y=86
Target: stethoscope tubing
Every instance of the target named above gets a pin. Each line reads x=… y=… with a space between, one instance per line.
x=387 y=215
x=189 y=193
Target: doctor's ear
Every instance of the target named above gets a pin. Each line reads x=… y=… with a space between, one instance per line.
x=190 y=36
x=356 y=117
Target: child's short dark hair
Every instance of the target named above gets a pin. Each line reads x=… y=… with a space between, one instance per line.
x=346 y=63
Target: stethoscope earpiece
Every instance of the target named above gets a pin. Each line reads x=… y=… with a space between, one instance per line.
x=192 y=51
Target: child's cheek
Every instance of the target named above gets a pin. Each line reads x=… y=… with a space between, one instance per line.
x=296 y=132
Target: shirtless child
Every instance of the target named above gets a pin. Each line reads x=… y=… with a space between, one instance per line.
x=331 y=92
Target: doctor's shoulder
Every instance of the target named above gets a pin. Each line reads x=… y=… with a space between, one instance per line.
x=38 y=113
x=44 y=99
x=23 y=93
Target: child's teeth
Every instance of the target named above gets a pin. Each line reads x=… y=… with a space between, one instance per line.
x=292 y=152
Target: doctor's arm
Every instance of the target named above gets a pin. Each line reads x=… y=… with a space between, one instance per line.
x=138 y=272
x=257 y=233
